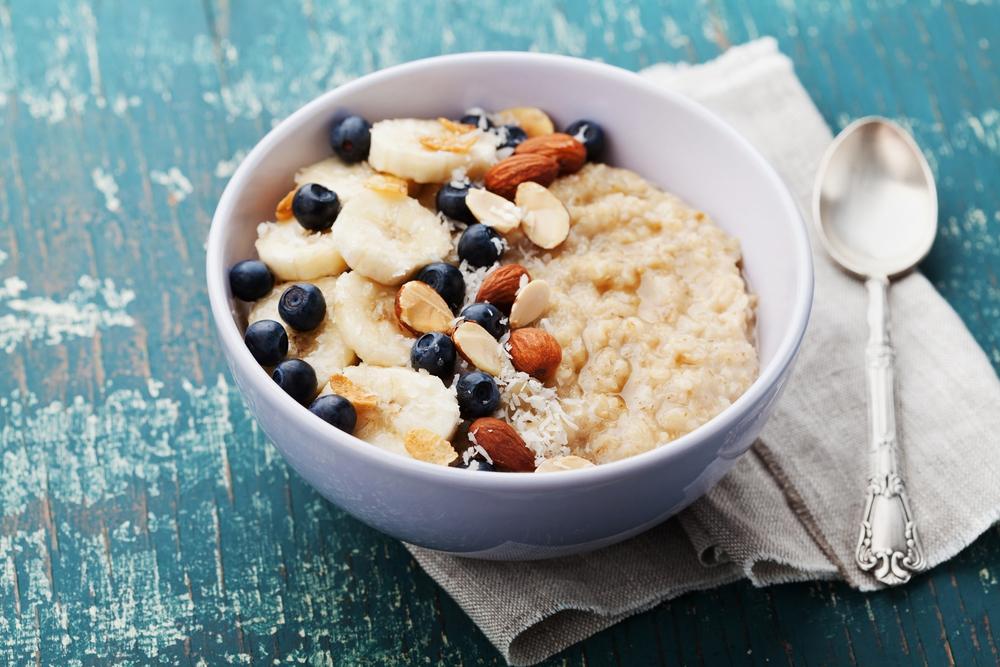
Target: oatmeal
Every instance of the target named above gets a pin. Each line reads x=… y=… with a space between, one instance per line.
x=651 y=311
x=483 y=293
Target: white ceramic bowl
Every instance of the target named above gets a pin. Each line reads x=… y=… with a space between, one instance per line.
x=664 y=137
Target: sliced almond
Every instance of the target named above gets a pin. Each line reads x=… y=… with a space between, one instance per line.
x=421 y=310
x=493 y=210
x=562 y=463
x=545 y=220
x=501 y=285
x=283 y=211
x=478 y=347
x=359 y=398
x=532 y=120
x=531 y=302
x=425 y=445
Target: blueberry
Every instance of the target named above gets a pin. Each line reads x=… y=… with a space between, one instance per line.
x=302 y=306
x=477 y=464
x=478 y=118
x=592 y=136
x=478 y=395
x=446 y=280
x=435 y=353
x=487 y=316
x=267 y=341
x=315 y=207
x=451 y=202
x=351 y=138
x=480 y=245
x=336 y=410
x=297 y=378
x=250 y=279
x=513 y=137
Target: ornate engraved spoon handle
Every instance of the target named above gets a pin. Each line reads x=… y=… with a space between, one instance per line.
x=888 y=544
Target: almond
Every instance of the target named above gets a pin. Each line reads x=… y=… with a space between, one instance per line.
x=283 y=211
x=562 y=463
x=545 y=221
x=359 y=398
x=531 y=302
x=501 y=285
x=535 y=352
x=564 y=149
x=425 y=445
x=532 y=120
x=421 y=310
x=505 y=176
x=493 y=210
x=505 y=447
x=478 y=347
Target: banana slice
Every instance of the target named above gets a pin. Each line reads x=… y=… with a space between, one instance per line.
x=323 y=348
x=292 y=252
x=366 y=319
x=388 y=237
x=346 y=180
x=407 y=400
x=430 y=151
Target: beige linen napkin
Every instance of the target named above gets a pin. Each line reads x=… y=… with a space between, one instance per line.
x=790 y=508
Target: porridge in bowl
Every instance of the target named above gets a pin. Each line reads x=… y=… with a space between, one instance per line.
x=484 y=293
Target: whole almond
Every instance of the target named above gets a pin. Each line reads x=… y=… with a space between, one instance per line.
x=421 y=310
x=493 y=210
x=564 y=149
x=535 y=352
x=545 y=221
x=504 y=177
x=478 y=347
x=532 y=120
x=531 y=302
x=504 y=446
x=501 y=285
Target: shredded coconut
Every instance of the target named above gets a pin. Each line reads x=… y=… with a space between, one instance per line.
x=473 y=279
x=534 y=411
x=581 y=134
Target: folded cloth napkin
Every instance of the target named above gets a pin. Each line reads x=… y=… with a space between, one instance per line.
x=790 y=508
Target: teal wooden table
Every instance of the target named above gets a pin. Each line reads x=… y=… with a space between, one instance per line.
x=146 y=519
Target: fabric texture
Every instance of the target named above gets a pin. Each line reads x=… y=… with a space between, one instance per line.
x=790 y=508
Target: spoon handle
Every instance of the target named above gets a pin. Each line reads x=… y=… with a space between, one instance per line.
x=888 y=543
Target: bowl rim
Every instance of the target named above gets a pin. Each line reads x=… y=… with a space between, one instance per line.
x=231 y=338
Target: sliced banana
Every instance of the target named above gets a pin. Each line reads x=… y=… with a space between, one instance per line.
x=366 y=319
x=292 y=252
x=405 y=147
x=388 y=237
x=323 y=348
x=407 y=400
x=344 y=179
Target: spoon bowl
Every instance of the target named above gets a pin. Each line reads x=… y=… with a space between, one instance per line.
x=876 y=203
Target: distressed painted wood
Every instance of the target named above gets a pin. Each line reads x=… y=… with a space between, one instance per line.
x=143 y=518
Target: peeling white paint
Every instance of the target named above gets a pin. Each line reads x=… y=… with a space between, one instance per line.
x=177 y=184
x=226 y=168
x=94 y=304
x=105 y=183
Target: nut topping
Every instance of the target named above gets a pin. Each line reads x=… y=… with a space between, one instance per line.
x=505 y=176
x=532 y=120
x=504 y=446
x=478 y=347
x=493 y=210
x=564 y=149
x=421 y=310
x=425 y=445
x=531 y=302
x=501 y=285
x=283 y=211
x=535 y=352
x=545 y=220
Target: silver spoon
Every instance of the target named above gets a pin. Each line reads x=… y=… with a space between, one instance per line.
x=876 y=208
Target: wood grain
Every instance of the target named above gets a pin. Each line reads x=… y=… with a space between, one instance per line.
x=144 y=518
